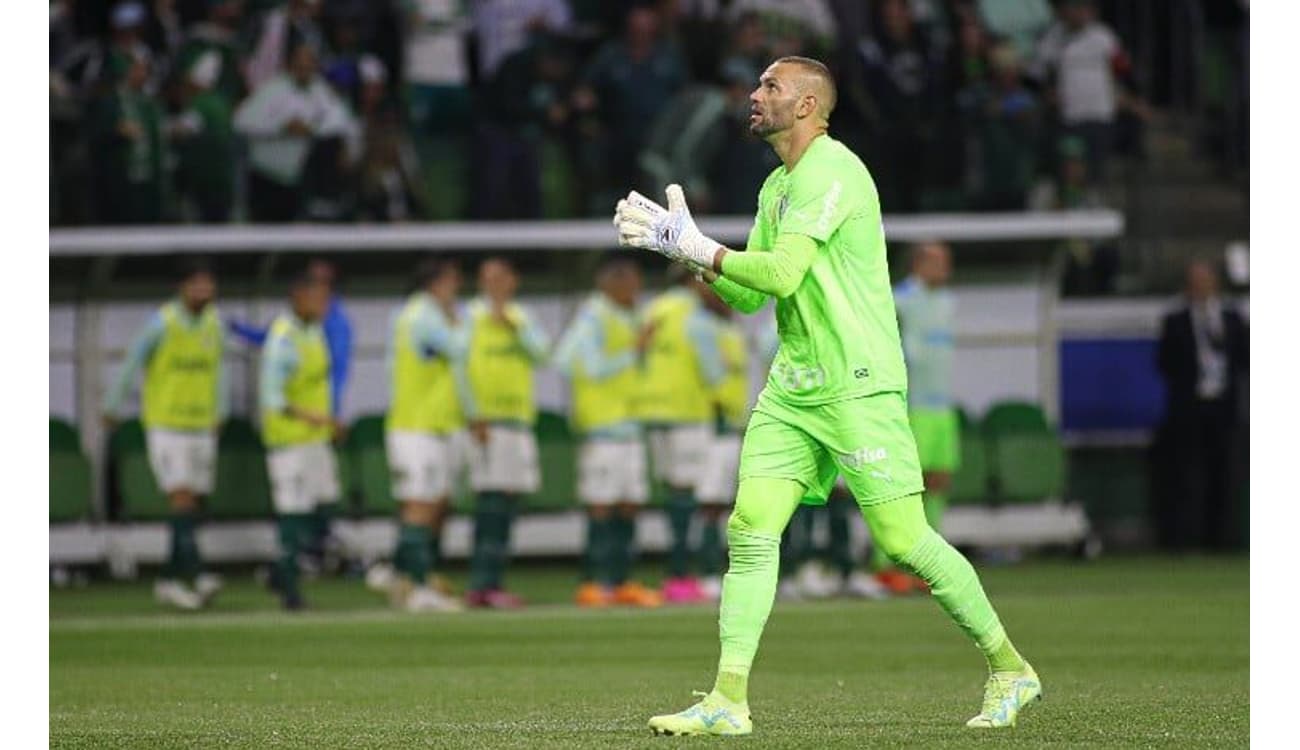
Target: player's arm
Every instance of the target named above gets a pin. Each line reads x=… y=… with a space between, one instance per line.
x=435 y=335
x=338 y=331
x=703 y=335
x=279 y=360
x=672 y=233
x=142 y=348
x=533 y=338
x=584 y=344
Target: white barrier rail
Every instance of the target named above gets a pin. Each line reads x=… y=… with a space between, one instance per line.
x=588 y=234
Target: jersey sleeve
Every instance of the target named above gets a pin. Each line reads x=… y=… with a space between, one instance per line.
x=142 y=348
x=278 y=362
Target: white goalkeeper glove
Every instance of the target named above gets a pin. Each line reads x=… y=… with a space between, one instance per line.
x=670 y=232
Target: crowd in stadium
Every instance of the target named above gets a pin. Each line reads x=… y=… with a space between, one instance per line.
x=340 y=110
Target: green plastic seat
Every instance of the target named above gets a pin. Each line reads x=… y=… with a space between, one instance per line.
x=1029 y=467
x=557 y=452
x=63 y=436
x=243 y=488
x=970 y=483
x=69 y=486
x=142 y=500
x=1015 y=417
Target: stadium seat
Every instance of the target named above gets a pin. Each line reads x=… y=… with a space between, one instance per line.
x=1015 y=416
x=1029 y=467
x=970 y=484
x=558 y=453
x=141 y=498
x=69 y=486
x=364 y=449
x=243 y=489
x=63 y=436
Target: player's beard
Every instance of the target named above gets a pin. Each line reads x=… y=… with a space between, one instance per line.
x=770 y=122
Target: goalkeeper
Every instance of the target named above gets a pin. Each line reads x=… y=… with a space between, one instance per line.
x=835 y=399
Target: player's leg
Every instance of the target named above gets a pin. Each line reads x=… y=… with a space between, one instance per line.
x=203 y=475
x=504 y=467
x=419 y=467
x=598 y=492
x=679 y=507
x=875 y=452
x=633 y=490
x=170 y=464
x=293 y=502
x=717 y=490
x=900 y=527
x=779 y=465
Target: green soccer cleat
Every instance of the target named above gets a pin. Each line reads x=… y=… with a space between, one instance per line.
x=712 y=715
x=1006 y=694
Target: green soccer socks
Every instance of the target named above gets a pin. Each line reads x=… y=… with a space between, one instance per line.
x=900 y=528
x=184 y=563
x=493 y=513
x=680 y=508
x=295 y=533
x=412 y=557
x=622 y=547
x=711 y=559
x=763 y=509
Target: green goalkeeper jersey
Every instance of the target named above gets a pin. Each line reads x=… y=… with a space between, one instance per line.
x=838 y=332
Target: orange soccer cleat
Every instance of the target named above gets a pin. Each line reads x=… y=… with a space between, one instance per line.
x=593 y=595
x=636 y=595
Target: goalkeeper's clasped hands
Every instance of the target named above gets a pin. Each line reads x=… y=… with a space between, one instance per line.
x=671 y=231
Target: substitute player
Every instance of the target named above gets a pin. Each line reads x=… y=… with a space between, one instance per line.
x=298 y=426
x=835 y=397
x=183 y=400
x=682 y=367
x=505 y=347
x=601 y=353
x=425 y=414
x=717 y=486
x=925 y=316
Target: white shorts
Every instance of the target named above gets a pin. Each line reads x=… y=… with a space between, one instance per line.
x=422 y=465
x=679 y=453
x=302 y=477
x=507 y=462
x=182 y=460
x=718 y=483
x=612 y=471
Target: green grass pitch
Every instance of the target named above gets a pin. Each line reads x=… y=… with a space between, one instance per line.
x=1132 y=652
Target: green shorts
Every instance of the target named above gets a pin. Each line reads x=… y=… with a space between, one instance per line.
x=868 y=440
x=938 y=438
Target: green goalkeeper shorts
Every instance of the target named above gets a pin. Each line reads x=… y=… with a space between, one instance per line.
x=868 y=440
x=938 y=438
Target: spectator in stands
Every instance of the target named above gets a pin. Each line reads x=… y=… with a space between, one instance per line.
x=391 y=186
x=218 y=33
x=204 y=143
x=1083 y=63
x=283 y=30
x=127 y=145
x=1018 y=22
x=183 y=402
x=504 y=27
x=437 y=66
x=527 y=97
x=1203 y=356
x=903 y=76
x=626 y=85
x=295 y=123
x=1004 y=117
x=744 y=160
x=793 y=27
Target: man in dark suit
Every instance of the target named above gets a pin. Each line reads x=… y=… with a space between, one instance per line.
x=1203 y=357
